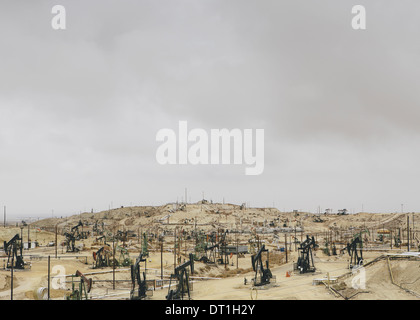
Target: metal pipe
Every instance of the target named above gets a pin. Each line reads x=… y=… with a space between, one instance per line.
x=98 y=272
x=110 y=295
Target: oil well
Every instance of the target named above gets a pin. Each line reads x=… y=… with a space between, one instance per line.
x=206 y=250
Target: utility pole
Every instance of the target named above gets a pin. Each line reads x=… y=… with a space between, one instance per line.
x=175 y=249
x=113 y=261
x=56 y=231
x=29 y=243
x=49 y=277
x=408 y=232
x=285 y=245
x=179 y=247
x=237 y=249
x=413 y=228
x=161 y=261
x=11 y=278
x=4 y=216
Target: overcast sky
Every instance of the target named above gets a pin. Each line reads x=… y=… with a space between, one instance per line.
x=80 y=108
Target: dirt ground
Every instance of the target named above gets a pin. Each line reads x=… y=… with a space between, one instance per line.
x=387 y=278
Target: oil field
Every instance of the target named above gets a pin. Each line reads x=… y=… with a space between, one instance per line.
x=212 y=251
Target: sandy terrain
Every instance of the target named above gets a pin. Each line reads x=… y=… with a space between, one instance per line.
x=266 y=226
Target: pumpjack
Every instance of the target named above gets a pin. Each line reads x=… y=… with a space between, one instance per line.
x=98 y=228
x=76 y=233
x=182 y=276
x=11 y=248
x=210 y=253
x=213 y=247
x=355 y=250
x=200 y=246
x=102 y=257
x=223 y=255
x=122 y=236
x=356 y=256
x=305 y=262
x=70 y=242
x=85 y=285
x=327 y=251
x=207 y=249
x=136 y=277
x=262 y=274
x=124 y=257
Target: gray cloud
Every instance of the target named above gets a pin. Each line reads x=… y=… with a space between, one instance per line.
x=79 y=109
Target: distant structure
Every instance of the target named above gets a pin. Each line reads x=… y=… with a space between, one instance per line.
x=342 y=212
